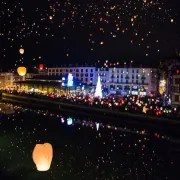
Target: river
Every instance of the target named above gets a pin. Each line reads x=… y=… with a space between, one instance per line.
x=82 y=151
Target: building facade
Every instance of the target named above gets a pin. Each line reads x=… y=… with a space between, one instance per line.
x=135 y=81
x=84 y=74
x=175 y=95
x=7 y=79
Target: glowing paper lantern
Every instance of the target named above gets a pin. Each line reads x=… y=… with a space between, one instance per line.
x=21 y=71
x=42 y=156
x=21 y=51
x=41 y=66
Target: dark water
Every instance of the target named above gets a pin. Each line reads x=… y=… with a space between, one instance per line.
x=114 y=152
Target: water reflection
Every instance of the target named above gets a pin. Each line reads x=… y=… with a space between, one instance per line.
x=85 y=149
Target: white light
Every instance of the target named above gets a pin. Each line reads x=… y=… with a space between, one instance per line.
x=98 y=92
x=97 y=126
x=69 y=121
x=70 y=80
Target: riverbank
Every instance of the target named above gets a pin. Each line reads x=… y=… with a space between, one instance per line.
x=91 y=111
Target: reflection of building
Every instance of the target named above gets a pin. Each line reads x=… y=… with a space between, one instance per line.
x=84 y=74
x=176 y=90
x=6 y=109
x=7 y=79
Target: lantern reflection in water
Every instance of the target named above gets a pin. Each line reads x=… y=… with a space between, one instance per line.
x=42 y=156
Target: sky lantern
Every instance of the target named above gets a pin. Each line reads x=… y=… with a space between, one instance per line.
x=22 y=71
x=42 y=156
x=41 y=66
x=21 y=51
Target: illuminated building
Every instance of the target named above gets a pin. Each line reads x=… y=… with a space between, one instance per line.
x=84 y=74
x=7 y=79
x=53 y=84
x=176 y=90
x=135 y=81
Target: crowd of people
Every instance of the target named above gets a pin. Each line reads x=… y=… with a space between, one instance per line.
x=152 y=106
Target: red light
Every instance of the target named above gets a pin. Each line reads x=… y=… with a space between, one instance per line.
x=177 y=71
x=41 y=66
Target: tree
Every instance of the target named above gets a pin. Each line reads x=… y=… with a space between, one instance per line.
x=98 y=92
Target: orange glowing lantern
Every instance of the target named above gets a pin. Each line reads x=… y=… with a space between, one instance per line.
x=41 y=66
x=21 y=51
x=22 y=71
x=42 y=156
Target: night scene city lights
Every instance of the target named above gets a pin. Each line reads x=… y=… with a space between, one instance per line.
x=89 y=90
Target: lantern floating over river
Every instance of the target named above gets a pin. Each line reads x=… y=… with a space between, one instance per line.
x=22 y=71
x=42 y=156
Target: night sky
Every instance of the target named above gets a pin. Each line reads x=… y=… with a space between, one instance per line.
x=87 y=31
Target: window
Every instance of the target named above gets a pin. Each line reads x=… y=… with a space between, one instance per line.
x=126 y=81
x=57 y=70
x=137 y=77
x=66 y=70
x=126 y=88
x=86 y=74
x=136 y=81
x=91 y=79
x=176 y=98
x=121 y=71
x=77 y=74
x=81 y=74
x=133 y=71
x=91 y=70
x=121 y=76
x=86 y=70
x=91 y=75
x=112 y=87
x=86 y=79
x=77 y=70
x=142 y=81
x=49 y=70
x=71 y=70
x=177 y=81
x=137 y=71
x=132 y=76
x=60 y=70
x=119 y=87
x=81 y=70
